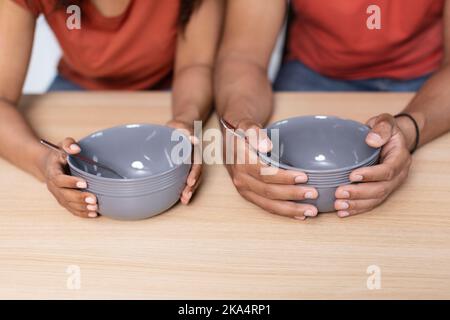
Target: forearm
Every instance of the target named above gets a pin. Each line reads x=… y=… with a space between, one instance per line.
x=192 y=94
x=18 y=143
x=243 y=91
x=430 y=108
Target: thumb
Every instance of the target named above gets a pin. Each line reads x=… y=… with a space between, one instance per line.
x=256 y=136
x=382 y=129
x=70 y=146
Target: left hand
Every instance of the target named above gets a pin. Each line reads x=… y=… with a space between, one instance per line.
x=194 y=177
x=375 y=184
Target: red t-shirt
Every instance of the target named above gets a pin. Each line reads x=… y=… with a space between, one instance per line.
x=132 y=51
x=332 y=37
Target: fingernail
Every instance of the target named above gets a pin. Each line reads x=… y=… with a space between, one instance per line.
x=265 y=145
x=343 y=214
x=310 y=213
x=75 y=148
x=90 y=200
x=345 y=194
x=309 y=195
x=82 y=184
x=92 y=215
x=300 y=179
x=300 y=218
x=357 y=177
x=375 y=138
x=342 y=205
x=92 y=207
x=189 y=195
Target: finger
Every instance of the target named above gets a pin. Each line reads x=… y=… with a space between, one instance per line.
x=256 y=136
x=274 y=175
x=65 y=181
x=365 y=191
x=197 y=184
x=347 y=208
x=70 y=146
x=284 y=208
x=71 y=195
x=194 y=174
x=385 y=171
x=83 y=213
x=184 y=131
x=278 y=191
x=382 y=130
x=83 y=206
x=189 y=191
x=186 y=195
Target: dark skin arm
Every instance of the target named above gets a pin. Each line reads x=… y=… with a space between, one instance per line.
x=16 y=39
x=244 y=98
x=192 y=101
x=192 y=96
x=431 y=109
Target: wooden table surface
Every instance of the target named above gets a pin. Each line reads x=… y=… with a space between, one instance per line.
x=221 y=246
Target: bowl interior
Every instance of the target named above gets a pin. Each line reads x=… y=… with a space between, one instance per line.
x=320 y=143
x=134 y=151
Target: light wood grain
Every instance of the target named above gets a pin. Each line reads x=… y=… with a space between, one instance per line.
x=221 y=246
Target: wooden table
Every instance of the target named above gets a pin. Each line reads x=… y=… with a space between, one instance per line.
x=221 y=246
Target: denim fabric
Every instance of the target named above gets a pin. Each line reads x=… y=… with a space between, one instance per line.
x=295 y=76
x=62 y=84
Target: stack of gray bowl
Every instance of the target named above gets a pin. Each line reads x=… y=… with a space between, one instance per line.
x=326 y=148
x=152 y=163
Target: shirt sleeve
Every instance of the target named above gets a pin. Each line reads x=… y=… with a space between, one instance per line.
x=31 y=5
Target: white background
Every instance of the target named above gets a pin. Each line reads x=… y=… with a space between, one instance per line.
x=46 y=53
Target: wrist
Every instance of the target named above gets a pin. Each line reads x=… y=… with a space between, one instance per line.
x=410 y=124
x=39 y=159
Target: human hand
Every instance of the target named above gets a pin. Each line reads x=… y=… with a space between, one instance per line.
x=373 y=185
x=67 y=189
x=273 y=190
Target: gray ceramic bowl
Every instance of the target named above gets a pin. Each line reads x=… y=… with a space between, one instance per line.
x=181 y=174
x=154 y=159
x=124 y=191
x=326 y=148
x=328 y=179
x=321 y=144
x=138 y=207
x=137 y=152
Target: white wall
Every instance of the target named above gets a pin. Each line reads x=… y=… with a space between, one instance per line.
x=46 y=53
x=45 y=57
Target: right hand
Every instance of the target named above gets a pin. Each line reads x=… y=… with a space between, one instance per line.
x=273 y=192
x=67 y=189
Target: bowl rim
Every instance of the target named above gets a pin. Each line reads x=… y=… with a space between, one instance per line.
x=92 y=176
x=280 y=165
